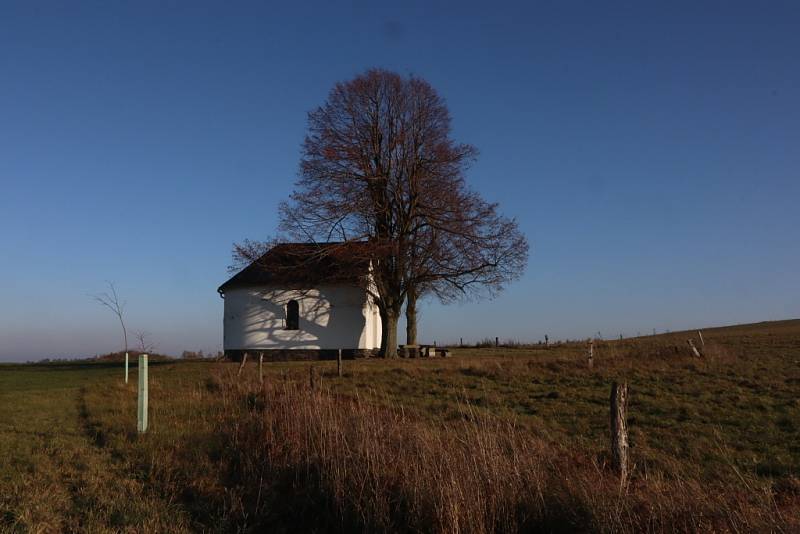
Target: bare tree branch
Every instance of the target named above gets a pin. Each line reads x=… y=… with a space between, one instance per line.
x=110 y=299
x=145 y=345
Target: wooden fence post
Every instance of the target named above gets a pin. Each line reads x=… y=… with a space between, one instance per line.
x=311 y=381
x=241 y=365
x=590 y=358
x=126 y=367
x=619 y=429
x=141 y=423
x=261 y=367
x=496 y=341
x=702 y=343
x=461 y=342
x=339 y=363
x=694 y=349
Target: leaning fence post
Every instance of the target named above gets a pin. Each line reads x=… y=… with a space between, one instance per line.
x=694 y=349
x=261 y=367
x=126 y=367
x=141 y=425
x=619 y=429
x=702 y=343
x=590 y=357
x=339 y=363
x=241 y=365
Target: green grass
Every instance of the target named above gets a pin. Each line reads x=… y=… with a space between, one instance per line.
x=70 y=458
x=55 y=475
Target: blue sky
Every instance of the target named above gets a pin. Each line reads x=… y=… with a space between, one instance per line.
x=649 y=151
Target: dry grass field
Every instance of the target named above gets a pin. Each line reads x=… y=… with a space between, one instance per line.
x=491 y=439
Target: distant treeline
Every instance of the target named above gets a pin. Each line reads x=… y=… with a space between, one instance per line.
x=199 y=355
x=133 y=355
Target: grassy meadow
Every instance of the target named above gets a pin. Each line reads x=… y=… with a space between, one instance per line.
x=490 y=440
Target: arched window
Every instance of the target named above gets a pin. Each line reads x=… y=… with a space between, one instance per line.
x=292 y=315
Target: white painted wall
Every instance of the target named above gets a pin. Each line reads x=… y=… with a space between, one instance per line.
x=331 y=317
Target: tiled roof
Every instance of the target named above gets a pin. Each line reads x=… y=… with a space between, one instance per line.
x=304 y=264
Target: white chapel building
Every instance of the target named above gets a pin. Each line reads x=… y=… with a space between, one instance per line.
x=301 y=301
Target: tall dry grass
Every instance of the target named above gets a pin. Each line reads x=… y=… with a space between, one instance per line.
x=309 y=460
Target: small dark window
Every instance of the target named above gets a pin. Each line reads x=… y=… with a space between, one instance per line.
x=292 y=315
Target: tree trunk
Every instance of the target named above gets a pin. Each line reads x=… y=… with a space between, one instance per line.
x=384 y=330
x=389 y=346
x=411 y=318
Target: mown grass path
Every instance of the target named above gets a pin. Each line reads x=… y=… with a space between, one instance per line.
x=55 y=474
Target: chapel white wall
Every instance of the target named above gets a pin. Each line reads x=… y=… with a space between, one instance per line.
x=331 y=317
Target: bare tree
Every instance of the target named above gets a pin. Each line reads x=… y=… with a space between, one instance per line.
x=378 y=167
x=462 y=248
x=110 y=300
x=145 y=345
